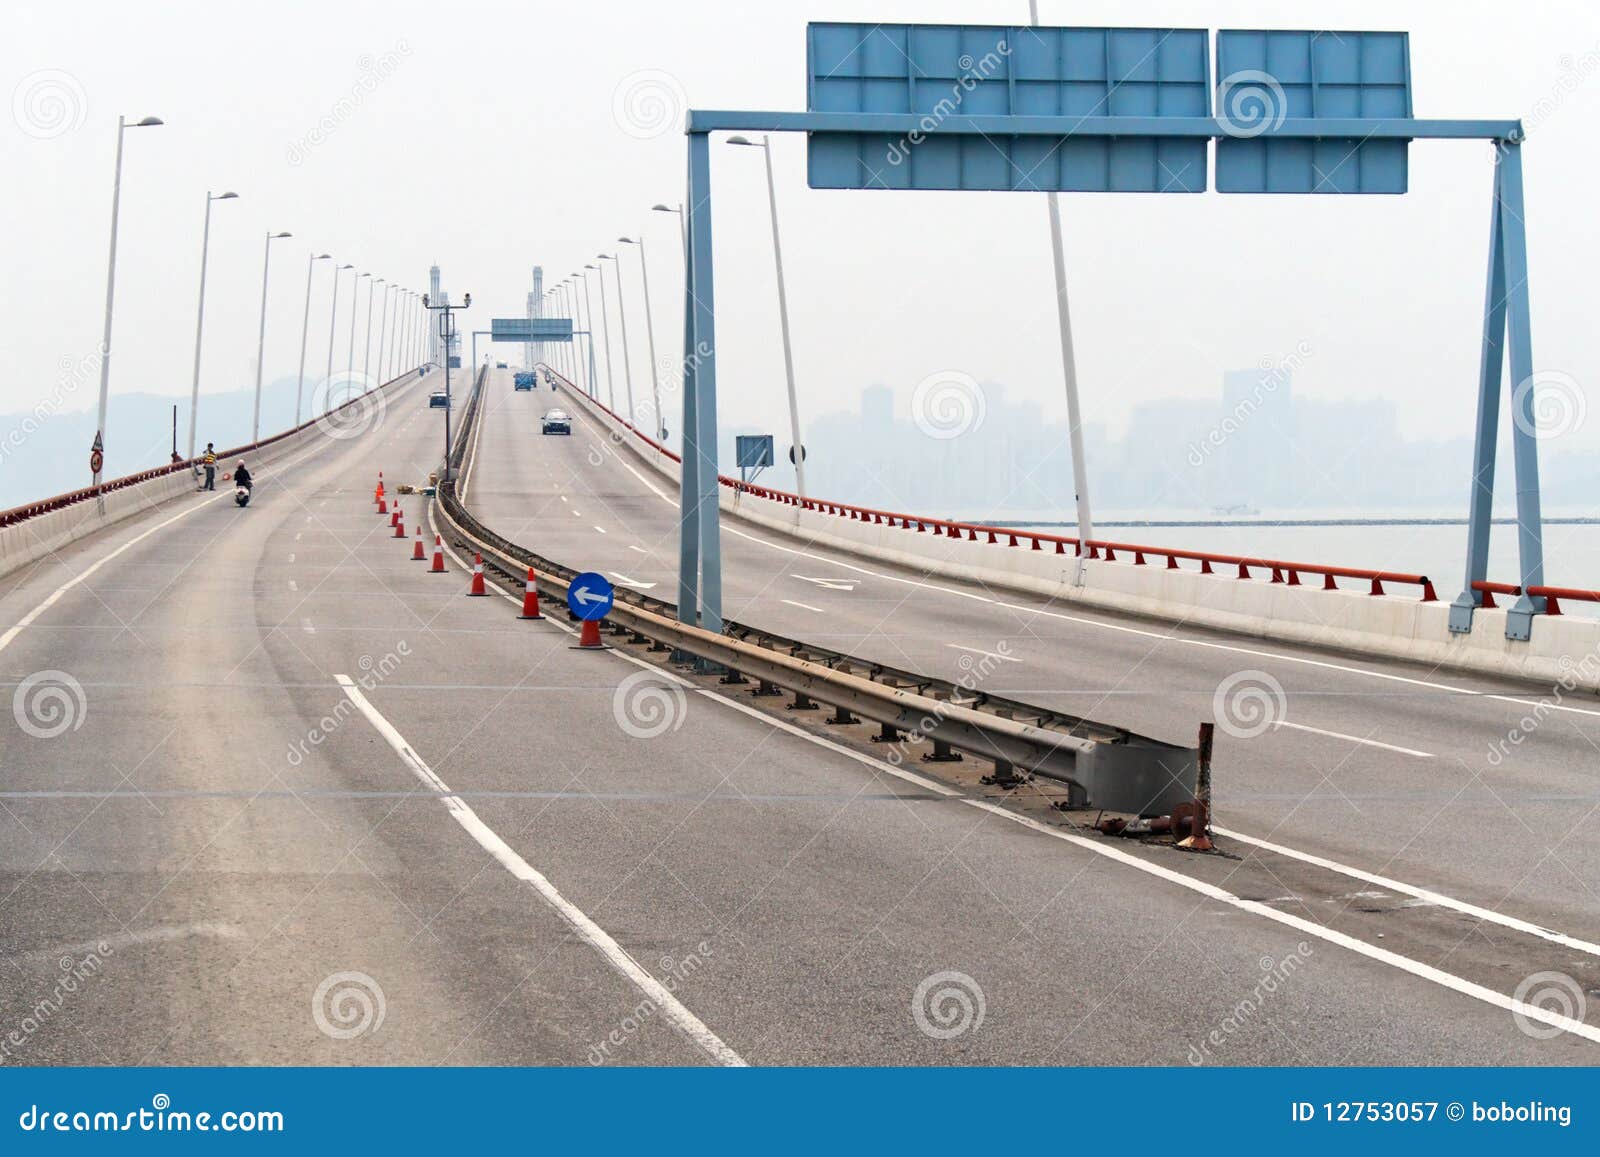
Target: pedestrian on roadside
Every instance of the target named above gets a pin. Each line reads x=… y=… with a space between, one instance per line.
x=209 y=460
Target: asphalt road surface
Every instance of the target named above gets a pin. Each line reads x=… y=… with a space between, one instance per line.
x=274 y=793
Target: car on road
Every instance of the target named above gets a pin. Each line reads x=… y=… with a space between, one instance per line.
x=439 y=400
x=555 y=422
x=525 y=380
x=499 y=365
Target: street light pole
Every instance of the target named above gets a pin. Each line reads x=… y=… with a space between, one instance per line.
x=683 y=229
x=650 y=332
x=783 y=316
x=383 y=329
x=446 y=332
x=366 y=344
x=605 y=336
x=261 y=337
x=333 y=328
x=200 y=312
x=355 y=294
x=622 y=313
x=305 y=330
x=111 y=288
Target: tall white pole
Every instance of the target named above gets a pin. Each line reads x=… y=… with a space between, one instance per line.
x=355 y=293
x=333 y=328
x=622 y=312
x=200 y=321
x=366 y=344
x=1069 y=369
x=605 y=333
x=383 y=329
x=650 y=333
x=261 y=336
x=783 y=316
x=305 y=332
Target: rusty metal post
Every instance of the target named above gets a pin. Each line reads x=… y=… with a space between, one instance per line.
x=1200 y=825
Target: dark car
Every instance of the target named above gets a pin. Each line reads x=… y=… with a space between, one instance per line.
x=555 y=422
x=439 y=400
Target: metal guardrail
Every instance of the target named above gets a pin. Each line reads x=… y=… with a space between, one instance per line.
x=56 y=502
x=1280 y=571
x=1104 y=766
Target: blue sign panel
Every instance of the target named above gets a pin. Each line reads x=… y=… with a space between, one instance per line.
x=526 y=329
x=589 y=596
x=1265 y=76
x=752 y=450
x=939 y=71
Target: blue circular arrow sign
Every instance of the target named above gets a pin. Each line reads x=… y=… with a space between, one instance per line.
x=589 y=596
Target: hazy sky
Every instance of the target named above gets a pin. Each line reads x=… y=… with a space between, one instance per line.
x=495 y=142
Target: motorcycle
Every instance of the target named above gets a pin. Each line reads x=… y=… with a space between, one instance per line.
x=241 y=494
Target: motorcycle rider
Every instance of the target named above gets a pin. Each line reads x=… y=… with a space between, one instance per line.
x=241 y=476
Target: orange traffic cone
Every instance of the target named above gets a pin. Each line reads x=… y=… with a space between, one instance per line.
x=377 y=495
x=383 y=506
x=399 y=523
x=438 y=556
x=589 y=635
x=477 y=588
x=530 y=599
x=417 y=555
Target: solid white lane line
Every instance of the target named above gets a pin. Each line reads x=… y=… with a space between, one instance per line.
x=1353 y=739
x=1435 y=898
x=985 y=654
x=588 y=931
x=803 y=606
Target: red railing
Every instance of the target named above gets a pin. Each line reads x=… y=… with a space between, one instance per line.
x=1244 y=566
x=47 y=505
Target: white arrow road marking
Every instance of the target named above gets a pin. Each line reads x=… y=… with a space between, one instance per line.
x=986 y=654
x=803 y=606
x=629 y=582
x=587 y=930
x=831 y=584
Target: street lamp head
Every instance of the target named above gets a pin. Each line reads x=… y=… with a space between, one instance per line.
x=605 y=256
x=275 y=236
x=323 y=257
x=466 y=299
x=592 y=266
x=345 y=266
x=660 y=208
x=225 y=197
x=425 y=300
x=627 y=240
x=148 y=122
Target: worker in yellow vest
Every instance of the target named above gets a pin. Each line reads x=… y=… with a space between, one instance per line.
x=209 y=461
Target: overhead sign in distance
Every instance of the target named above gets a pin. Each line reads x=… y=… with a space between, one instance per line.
x=752 y=451
x=526 y=329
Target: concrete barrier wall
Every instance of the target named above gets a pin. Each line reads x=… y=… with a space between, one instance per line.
x=28 y=541
x=1564 y=650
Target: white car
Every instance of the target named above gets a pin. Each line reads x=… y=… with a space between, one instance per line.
x=555 y=422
